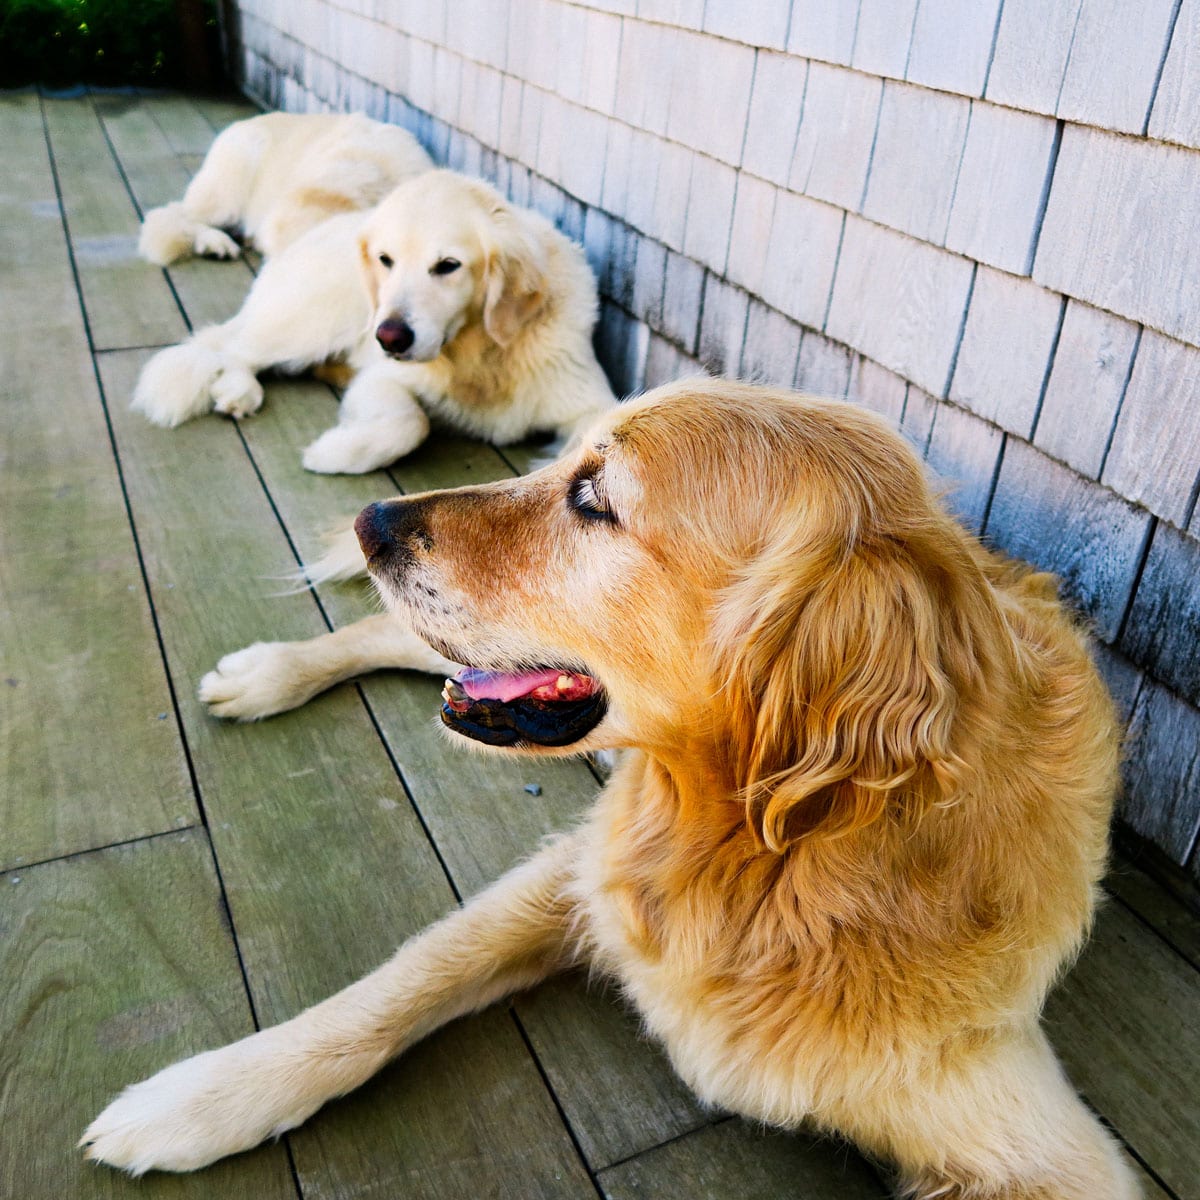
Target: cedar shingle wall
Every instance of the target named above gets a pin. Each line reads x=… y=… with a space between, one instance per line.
x=981 y=219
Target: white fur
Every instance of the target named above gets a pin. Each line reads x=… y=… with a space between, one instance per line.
x=502 y=345
x=274 y=177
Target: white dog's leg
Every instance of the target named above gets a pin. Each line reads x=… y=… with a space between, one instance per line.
x=272 y=677
x=170 y=232
x=190 y=379
x=380 y=421
x=509 y=937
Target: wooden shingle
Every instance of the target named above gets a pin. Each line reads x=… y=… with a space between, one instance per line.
x=963 y=452
x=1011 y=329
x=1093 y=539
x=837 y=130
x=1155 y=454
x=775 y=107
x=1033 y=43
x=1001 y=184
x=1161 y=800
x=823 y=29
x=952 y=45
x=1113 y=67
x=1176 y=113
x=918 y=147
x=1163 y=629
x=1120 y=229
x=1087 y=382
x=900 y=302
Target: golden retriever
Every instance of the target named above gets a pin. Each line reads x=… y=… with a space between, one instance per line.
x=274 y=177
x=444 y=299
x=855 y=834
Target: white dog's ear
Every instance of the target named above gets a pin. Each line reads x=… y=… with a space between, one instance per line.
x=514 y=278
x=370 y=272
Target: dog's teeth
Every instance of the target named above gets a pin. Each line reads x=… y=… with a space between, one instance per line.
x=563 y=683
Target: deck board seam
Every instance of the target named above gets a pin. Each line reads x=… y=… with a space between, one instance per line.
x=73 y=854
x=1159 y=934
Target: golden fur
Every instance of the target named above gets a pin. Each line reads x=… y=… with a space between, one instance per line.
x=855 y=835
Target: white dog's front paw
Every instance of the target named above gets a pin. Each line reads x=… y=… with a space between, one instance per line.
x=236 y=393
x=216 y=243
x=194 y=1112
x=344 y=450
x=259 y=681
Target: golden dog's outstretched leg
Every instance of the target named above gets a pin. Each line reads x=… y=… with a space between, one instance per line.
x=507 y=938
x=273 y=677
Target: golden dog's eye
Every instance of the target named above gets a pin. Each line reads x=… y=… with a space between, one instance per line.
x=445 y=266
x=386 y=260
x=586 y=501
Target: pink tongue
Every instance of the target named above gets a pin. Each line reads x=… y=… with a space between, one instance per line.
x=495 y=685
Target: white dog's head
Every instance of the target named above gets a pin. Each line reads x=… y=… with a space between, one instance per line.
x=444 y=252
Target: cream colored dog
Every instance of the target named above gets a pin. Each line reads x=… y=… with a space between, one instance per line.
x=856 y=833
x=274 y=177
x=445 y=299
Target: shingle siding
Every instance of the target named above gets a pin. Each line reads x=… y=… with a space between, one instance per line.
x=948 y=212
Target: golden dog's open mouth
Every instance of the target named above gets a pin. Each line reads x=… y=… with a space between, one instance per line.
x=547 y=706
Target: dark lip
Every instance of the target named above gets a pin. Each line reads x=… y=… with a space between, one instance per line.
x=527 y=722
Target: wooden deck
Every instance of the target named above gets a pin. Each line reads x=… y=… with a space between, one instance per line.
x=173 y=882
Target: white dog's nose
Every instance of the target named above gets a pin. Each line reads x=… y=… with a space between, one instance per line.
x=395 y=336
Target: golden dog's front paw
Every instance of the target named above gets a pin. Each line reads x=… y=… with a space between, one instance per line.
x=259 y=681
x=190 y=1114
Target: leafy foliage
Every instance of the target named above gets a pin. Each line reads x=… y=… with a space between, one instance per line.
x=106 y=42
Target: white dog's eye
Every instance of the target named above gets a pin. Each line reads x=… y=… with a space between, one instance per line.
x=586 y=501
x=445 y=266
x=386 y=260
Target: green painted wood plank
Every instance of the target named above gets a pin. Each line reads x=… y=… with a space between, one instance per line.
x=127 y=304
x=138 y=142
x=89 y=750
x=210 y=291
x=112 y=963
x=617 y=1089
x=1127 y=1024
x=1163 y=903
x=220 y=111
x=185 y=127
x=737 y=1159
x=325 y=864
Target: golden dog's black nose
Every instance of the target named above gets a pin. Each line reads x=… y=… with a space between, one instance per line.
x=388 y=526
x=395 y=336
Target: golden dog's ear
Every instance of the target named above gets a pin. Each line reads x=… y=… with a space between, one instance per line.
x=370 y=272
x=514 y=277
x=845 y=668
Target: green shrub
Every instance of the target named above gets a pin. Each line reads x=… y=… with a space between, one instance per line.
x=105 y=42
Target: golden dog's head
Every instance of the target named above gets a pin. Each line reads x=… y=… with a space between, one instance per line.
x=443 y=252
x=753 y=582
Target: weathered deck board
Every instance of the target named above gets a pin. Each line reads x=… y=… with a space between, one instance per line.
x=77 y=644
x=325 y=864
x=734 y=1159
x=1155 y=905
x=112 y=964
x=220 y=111
x=1127 y=1026
x=157 y=174
x=104 y=236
